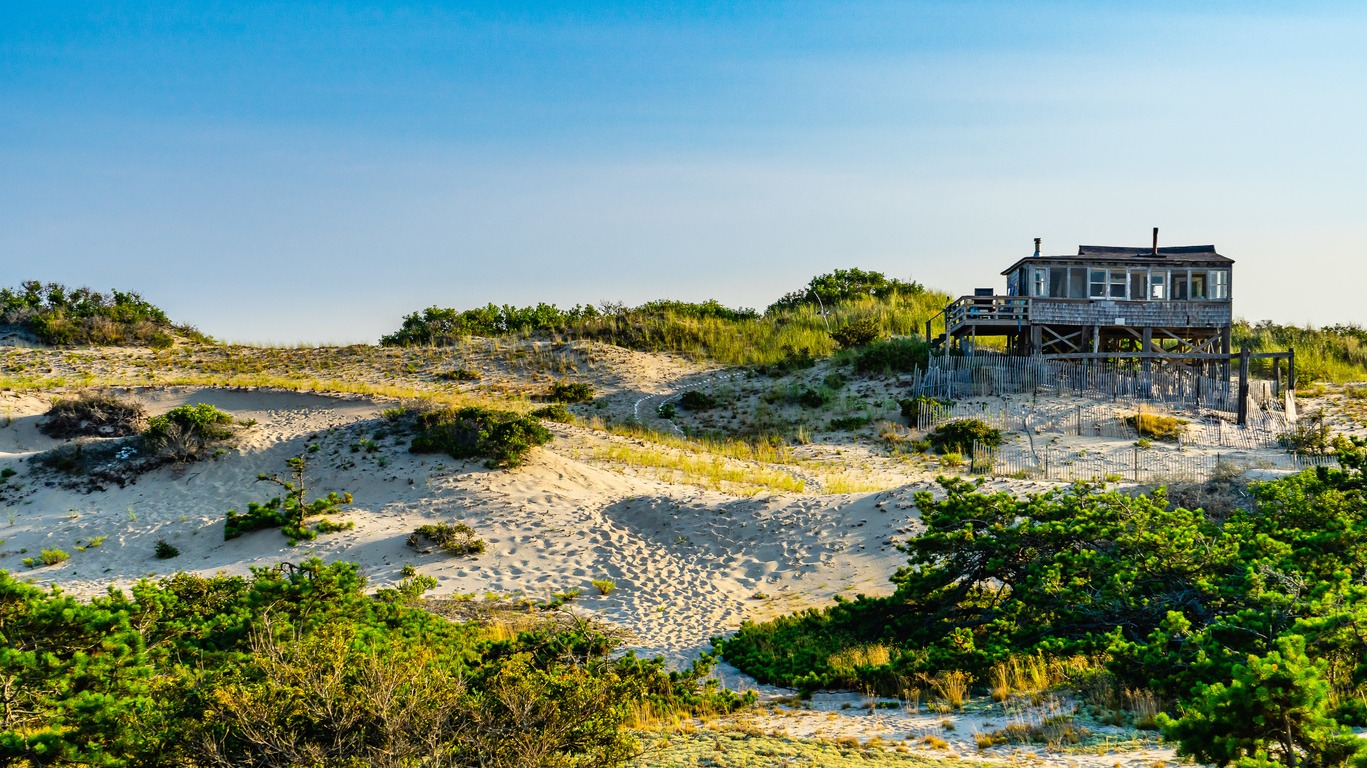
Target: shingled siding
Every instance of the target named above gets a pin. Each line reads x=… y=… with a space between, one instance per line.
x=1158 y=314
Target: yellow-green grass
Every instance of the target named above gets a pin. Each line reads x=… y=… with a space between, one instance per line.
x=748 y=749
x=712 y=472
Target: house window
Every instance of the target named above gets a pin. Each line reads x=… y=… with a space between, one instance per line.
x=1139 y=280
x=1038 y=279
x=1179 y=285
x=1219 y=283
x=1158 y=285
x=1198 y=285
x=1058 y=282
x=1097 y=284
x=1118 y=283
x=1077 y=282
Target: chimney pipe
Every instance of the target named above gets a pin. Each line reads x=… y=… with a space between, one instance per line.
x=1037 y=246
x=1155 y=241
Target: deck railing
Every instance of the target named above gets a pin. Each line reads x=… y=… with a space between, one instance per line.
x=987 y=309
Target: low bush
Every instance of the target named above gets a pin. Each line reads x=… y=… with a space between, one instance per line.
x=857 y=333
x=459 y=374
x=165 y=550
x=451 y=538
x=912 y=408
x=849 y=422
x=47 y=557
x=503 y=439
x=554 y=412
x=960 y=436
x=93 y=413
x=604 y=586
x=902 y=355
x=693 y=400
x=291 y=512
x=570 y=392
x=298 y=665
x=187 y=432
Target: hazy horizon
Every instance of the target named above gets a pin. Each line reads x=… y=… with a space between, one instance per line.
x=284 y=174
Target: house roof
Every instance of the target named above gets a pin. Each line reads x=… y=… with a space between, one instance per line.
x=1110 y=254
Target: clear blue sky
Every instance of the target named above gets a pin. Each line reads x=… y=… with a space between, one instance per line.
x=312 y=172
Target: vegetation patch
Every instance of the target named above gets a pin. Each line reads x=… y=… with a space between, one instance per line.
x=1247 y=626
x=452 y=538
x=299 y=663
x=503 y=439
x=913 y=407
x=459 y=374
x=962 y=435
x=188 y=432
x=54 y=314
x=554 y=412
x=290 y=512
x=696 y=401
x=791 y=335
x=902 y=355
x=93 y=413
x=1157 y=426
x=857 y=333
x=570 y=392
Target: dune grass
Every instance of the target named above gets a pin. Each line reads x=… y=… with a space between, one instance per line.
x=1336 y=353
x=711 y=472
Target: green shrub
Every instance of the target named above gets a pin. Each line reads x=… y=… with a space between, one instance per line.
x=912 y=408
x=570 y=392
x=166 y=550
x=291 y=512
x=847 y=285
x=185 y=432
x=951 y=459
x=453 y=539
x=459 y=374
x=857 y=333
x=667 y=411
x=554 y=412
x=849 y=422
x=93 y=413
x=892 y=356
x=500 y=437
x=47 y=557
x=960 y=435
x=693 y=400
x=7 y=473
x=604 y=586
x=300 y=663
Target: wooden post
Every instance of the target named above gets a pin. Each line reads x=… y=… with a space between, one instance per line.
x=1243 y=385
x=1291 y=370
x=1276 y=377
x=1224 y=350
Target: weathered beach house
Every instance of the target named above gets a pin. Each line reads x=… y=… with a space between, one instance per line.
x=1104 y=302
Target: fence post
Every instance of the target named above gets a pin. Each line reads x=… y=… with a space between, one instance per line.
x=1243 y=385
